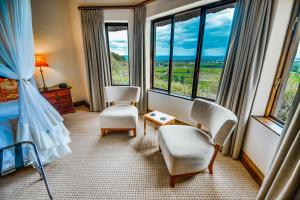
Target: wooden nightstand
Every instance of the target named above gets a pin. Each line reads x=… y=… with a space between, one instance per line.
x=60 y=99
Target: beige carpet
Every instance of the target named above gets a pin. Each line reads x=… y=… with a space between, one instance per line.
x=122 y=167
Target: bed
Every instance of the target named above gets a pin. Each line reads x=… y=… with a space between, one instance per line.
x=9 y=110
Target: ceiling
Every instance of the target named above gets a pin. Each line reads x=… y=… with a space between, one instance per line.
x=108 y=2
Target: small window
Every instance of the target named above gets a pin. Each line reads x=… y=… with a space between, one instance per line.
x=288 y=90
x=287 y=81
x=117 y=40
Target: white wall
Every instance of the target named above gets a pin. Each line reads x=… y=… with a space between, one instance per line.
x=171 y=105
x=53 y=37
x=123 y=15
x=260 y=143
x=58 y=34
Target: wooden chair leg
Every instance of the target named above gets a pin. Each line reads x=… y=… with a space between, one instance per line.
x=159 y=148
x=172 y=181
x=134 y=132
x=211 y=164
x=102 y=132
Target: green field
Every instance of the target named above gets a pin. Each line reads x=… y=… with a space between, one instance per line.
x=119 y=69
x=182 y=78
x=289 y=92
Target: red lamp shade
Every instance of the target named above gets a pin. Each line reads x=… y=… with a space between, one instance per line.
x=40 y=61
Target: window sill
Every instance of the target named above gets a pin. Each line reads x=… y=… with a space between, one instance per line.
x=173 y=95
x=178 y=95
x=270 y=124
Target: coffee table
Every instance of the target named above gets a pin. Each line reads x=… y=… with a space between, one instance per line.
x=158 y=118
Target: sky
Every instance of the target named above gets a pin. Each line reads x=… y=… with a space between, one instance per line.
x=118 y=42
x=217 y=31
x=216 y=35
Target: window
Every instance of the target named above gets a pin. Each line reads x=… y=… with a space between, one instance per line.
x=186 y=31
x=189 y=50
x=288 y=90
x=215 y=41
x=117 y=40
x=162 y=54
x=287 y=81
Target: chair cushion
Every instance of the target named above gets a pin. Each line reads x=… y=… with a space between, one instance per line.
x=186 y=149
x=119 y=116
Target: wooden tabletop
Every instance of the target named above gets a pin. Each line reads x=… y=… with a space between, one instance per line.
x=159 y=117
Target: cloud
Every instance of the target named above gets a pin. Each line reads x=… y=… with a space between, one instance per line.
x=118 y=42
x=215 y=41
x=219 y=19
x=214 y=51
x=298 y=53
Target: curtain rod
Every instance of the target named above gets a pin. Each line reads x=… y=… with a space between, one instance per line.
x=115 y=7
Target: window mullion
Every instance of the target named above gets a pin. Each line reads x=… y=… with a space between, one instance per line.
x=199 y=53
x=171 y=54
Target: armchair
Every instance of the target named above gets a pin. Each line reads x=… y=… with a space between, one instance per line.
x=188 y=150
x=120 y=116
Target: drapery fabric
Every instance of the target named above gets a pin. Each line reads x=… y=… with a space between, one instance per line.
x=283 y=178
x=38 y=120
x=246 y=52
x=139 y=68
x=96 y=56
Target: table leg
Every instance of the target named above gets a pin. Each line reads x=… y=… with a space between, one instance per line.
x=145 y=126
x=155 y=127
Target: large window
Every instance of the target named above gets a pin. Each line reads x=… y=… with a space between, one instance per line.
x=287 y=81
x=189 y=50
x=117 y=40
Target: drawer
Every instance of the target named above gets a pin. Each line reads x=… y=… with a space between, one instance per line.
x=63 y=93
x=59 y=99
x=49 y=95
x=65 y=105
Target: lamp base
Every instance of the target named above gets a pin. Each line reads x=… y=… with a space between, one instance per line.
x=44 y=88
x=44 y=85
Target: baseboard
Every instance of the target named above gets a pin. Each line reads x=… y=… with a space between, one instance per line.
x=252 y=168
x=81 y=103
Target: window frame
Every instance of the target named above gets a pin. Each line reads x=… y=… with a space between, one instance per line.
x=203 y=10
x=287 y=58
x=107 y=24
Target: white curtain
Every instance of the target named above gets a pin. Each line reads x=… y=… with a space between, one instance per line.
x=38 y=120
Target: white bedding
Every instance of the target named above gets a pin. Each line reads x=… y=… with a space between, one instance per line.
x=9 y=110
x=6 y=139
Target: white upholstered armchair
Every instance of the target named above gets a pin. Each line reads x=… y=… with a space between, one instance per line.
x=188 y=150
x=122 y=115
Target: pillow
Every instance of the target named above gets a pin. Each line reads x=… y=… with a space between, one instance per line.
x=8 y=89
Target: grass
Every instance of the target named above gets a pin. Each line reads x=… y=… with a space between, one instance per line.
x=182 y=78
x=119 y=69
x=288 y=96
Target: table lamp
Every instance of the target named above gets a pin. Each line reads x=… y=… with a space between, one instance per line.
x=40 y=61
